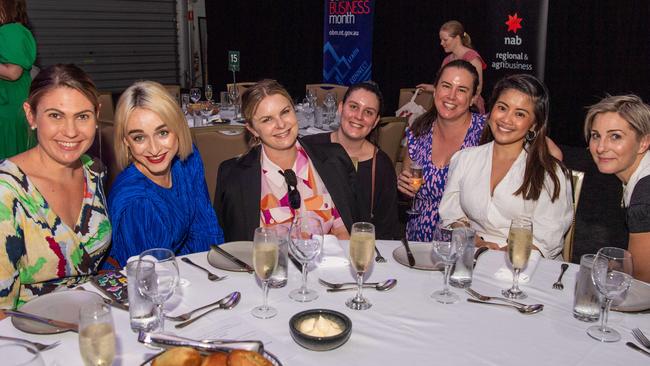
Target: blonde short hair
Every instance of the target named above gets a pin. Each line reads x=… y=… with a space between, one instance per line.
x=154 y=97
x=630 y=107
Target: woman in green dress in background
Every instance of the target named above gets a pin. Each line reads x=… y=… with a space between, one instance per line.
x=17 y=55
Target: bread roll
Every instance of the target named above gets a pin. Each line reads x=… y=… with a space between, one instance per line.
x=216 y=359
x=247 y=358
x=178 y=356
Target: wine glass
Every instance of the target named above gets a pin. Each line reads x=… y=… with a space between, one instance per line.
x=21 y=354
x=311 y=97
x=520 y=244
x=157 y=276
x=612 y=276
x=306 y=243
x=96 y=335
x=447 y=247
x=265 y=260
x=330 y=107
x=233 y=95
x=362 y=249
x=195 y=95
x=416 y=182
x=208 y=93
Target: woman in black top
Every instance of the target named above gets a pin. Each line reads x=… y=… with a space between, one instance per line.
x=376 y=185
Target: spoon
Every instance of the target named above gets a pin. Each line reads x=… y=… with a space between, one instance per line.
x=229 y=302
x=339 y=285
x=526 y=309
x=211 y=276
x=188 y=315
x=381 y=286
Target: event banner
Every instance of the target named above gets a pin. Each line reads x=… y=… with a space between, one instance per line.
x=347 y=41
x=518 y=41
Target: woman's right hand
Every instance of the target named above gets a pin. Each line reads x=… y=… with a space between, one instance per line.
x=425 y=87
x=404 y=184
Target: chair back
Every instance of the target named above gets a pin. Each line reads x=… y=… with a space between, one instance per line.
x=107 y=153
x=391 y=133
x=106 y=107
x=321 y=91
x=241 y=87
x=577 y=177
x=425 y=98
x=217 y=144
x=175 y=91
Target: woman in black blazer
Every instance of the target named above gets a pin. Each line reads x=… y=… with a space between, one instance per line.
x=280 y=176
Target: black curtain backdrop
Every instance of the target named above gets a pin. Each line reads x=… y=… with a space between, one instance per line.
x=593 y=48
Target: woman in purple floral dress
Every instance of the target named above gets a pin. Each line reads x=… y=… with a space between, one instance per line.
x=434 y=137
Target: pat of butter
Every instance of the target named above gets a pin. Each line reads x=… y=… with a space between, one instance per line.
x=320 y=327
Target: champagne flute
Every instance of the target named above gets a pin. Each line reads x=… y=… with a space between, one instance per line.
x=158 y=283
x=195 y=95
x=208 y=93
x=520 y=244
x=362 y=249
x=96 y=335
x=416 y=182
x=306 y=243
x=612 y=276
x=265 y=260
x=447 y=247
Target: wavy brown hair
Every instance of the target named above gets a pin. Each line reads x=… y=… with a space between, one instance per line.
x=539 y=161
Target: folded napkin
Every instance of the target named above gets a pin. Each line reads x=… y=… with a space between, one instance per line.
x=504 y=272
x=333 y=254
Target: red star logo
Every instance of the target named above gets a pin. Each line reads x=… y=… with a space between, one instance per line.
x=514 y=23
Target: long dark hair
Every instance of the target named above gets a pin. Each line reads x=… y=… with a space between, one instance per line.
x=371 y=87
x=13 y=11
x=539 y=161
x=423 y=124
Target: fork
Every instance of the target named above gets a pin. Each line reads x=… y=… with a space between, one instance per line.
x=558 y=284
x=38 y=346
x=211 y=276
x=638 y=334
x=379 y=258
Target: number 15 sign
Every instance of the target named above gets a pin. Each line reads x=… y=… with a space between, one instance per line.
x=233 y=60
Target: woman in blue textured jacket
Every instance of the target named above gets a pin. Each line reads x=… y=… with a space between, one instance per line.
x=160 y=199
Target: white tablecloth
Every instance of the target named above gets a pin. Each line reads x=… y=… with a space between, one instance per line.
x=404 y=326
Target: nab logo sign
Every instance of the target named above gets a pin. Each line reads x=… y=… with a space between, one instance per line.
x=516 y=41
x=514 y=24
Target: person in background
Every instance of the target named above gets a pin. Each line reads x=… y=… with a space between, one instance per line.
x=434 y=137
x=512 y=174
x=376 y=183
x=160 y=199
x=281 y=177
x=54 y=230
x=618 y=132
x=17 y=56
x=458 y=45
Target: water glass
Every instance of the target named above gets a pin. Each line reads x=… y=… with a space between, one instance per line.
x=306 y=243
x=20 y=354
x=265 y=260
x=362 y=250
x=280 y=275
x=611 y=273
x=448 y=250
x=158 y=285
x=586 y=299
x=224 y=99
x=96 y=335
x=461 y=274
x=143 y=314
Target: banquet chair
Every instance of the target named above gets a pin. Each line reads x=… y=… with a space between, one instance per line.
x=425 y=98
x=321 y=91
x=577 y=177
x=106 y=152
x=106 y=107
x=175 y=91
x=217 y=144
x=391 y=133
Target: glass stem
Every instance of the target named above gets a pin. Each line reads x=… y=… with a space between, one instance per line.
x=161 y=317
x=445 y=290
x=413 y=202
x=265 y=291
x=515 y=281
x=603 y=318
x=360 y=286
x=303 y=288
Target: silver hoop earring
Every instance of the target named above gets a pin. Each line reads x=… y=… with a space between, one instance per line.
x=531 y=136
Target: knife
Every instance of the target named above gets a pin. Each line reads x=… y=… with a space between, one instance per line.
x=232 y=258
x=637 y=348
x=409 y=254
x=51 y=322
